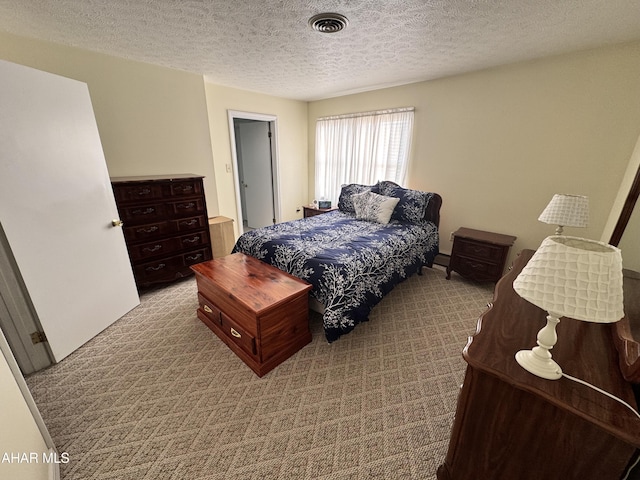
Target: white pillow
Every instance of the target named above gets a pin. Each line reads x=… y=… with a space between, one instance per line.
x=373 y=207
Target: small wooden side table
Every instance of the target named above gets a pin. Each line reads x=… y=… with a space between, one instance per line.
x=222 y=236
x=479 y=255
x=312 y=211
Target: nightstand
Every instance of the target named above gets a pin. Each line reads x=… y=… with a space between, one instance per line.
x=479 y=255
x=311 y=211
x=222 y=236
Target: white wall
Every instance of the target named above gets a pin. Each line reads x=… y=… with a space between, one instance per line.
x=292 y=146
x=497 y=144
x=152 y=120
x=19 y=433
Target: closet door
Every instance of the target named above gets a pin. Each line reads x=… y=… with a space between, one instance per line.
x=57 y=207
x=257 y=172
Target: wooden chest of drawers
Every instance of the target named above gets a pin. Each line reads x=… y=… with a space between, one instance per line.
x=165 y=225
x=479 y=255
x=260 y=312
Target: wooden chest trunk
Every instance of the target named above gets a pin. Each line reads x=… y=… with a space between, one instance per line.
x=260 y=312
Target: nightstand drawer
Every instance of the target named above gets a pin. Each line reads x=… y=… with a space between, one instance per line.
x=309 y=211
x=479 y=250
x=476 y=269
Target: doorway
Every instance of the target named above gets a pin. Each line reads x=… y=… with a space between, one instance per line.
x=255 y=168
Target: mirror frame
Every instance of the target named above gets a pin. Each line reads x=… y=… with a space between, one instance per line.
x=627 y=210
x=627 y=346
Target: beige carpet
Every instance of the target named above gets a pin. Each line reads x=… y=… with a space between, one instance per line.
x=158 y=396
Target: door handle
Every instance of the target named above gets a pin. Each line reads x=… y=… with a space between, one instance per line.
x=117 y=222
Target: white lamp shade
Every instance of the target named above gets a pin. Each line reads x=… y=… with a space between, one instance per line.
x=574 y=277
x=567 y=210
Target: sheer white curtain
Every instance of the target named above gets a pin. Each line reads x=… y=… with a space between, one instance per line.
x=362 y=148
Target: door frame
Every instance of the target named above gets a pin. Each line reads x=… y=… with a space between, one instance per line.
x=5 y=350
x=275 y=170
x=18 y=317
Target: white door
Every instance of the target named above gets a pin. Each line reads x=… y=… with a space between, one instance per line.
x=257 y=173
x=57 y=207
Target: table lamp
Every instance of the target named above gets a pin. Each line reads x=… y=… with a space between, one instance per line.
x=569 y=277
x=566 y=211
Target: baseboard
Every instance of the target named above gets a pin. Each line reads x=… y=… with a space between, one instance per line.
x=54 y=467
x=442 y=259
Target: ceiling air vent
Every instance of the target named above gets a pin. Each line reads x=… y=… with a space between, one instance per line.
x=328 y=22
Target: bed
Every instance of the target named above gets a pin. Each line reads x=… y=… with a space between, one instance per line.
x=380 y=235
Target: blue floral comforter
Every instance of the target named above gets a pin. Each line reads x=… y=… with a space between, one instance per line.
x=351 y=263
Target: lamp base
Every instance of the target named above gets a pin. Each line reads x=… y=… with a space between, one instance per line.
x=542 y=367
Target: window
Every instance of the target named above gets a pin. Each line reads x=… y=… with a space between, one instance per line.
x=362 y=148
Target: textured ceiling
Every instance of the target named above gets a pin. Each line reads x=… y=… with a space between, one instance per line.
x=267 y=46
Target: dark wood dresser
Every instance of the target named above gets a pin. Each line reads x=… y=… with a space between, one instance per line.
x=165 y=225
x=479 y=255
x=260 y=312
x=510 y=424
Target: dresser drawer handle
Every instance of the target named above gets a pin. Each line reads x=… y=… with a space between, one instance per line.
x=144 y=191
x=476 y=265
x=190 y=222
x=146 y=211
x=235 y=333
x=193 y=258
x=151 y=250
x=207 y=309
x=147 y=230
x=191 y=240
x=186 y=205
x=155 y=269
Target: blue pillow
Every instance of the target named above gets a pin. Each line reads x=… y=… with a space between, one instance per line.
x=345 y=202
x=412 y=205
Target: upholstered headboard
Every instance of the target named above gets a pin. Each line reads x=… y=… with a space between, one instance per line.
x=389 y=188
x=433 y=209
